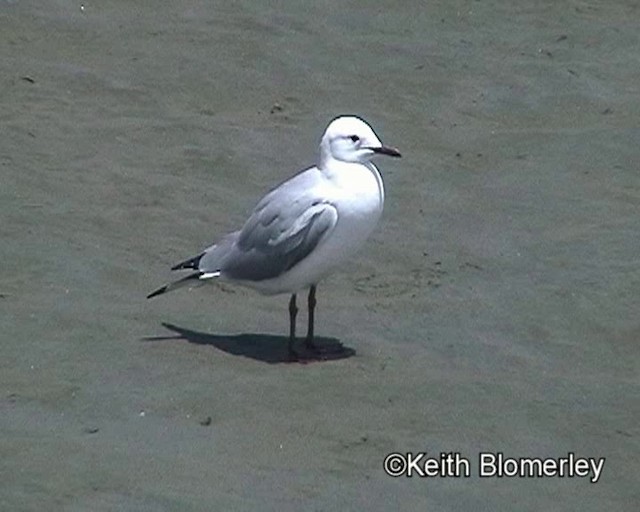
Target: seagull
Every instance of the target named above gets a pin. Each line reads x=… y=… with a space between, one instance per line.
x=304 y=228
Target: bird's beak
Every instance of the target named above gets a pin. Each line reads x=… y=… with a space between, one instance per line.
x=386 y=150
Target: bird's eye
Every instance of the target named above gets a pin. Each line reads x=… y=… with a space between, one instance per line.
x=354 y=138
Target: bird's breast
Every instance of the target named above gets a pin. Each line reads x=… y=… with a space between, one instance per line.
x=359 y=194
x=359 y=199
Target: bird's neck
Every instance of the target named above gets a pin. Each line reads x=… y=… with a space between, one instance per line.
x=354 y=176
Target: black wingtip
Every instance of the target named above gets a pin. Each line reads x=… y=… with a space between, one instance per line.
x=159 y=291
x=190 y=263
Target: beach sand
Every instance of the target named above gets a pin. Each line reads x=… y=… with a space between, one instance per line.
x=494 y=309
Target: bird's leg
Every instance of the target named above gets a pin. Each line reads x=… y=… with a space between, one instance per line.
x=311 y=305
x=293 y=311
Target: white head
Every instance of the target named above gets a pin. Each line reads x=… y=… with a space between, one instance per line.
x=350 y=139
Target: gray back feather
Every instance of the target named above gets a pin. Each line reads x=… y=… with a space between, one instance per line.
x=285 y=226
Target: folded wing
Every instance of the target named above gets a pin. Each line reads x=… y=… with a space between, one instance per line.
x=286 y=225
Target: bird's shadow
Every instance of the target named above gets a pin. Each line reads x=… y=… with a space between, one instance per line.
x=261 y=347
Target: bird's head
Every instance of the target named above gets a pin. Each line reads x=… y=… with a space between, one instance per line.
x=350 y=139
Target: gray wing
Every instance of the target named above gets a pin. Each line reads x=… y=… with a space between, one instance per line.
x=286 y=225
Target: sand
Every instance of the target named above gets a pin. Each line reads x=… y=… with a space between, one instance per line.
x=494 y=309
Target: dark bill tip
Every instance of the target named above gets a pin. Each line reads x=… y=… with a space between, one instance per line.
x=386 y=150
